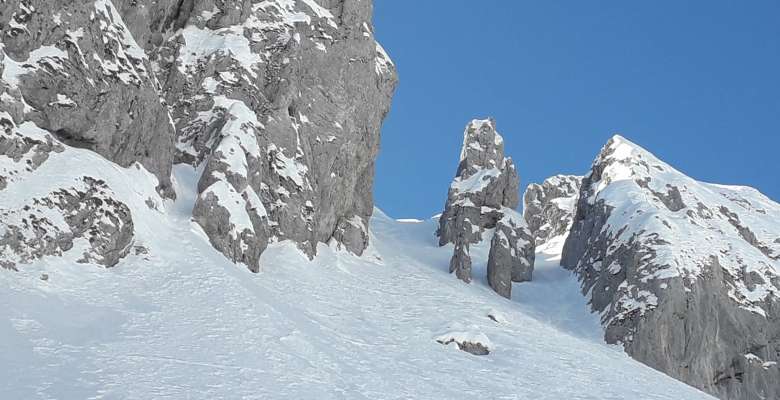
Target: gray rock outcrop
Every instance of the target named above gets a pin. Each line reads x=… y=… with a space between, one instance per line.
x=683 y=273
x=484 y=179
x=460 y=263
x=512 y=245
x=87 y=213
x=282 y=104
x=549 y=208
x=483 y=197
x=279 y=103
x=81 y=214
x=79 y=74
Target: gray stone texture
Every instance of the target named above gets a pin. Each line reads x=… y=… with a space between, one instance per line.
x=512 y=253
x=91 y=86
x=549 y=208
x=294 y=121
x=683 y=273
x=279 y=103
x=460 y=263
x=485 y=182
x=482 y=197
x=89 y=212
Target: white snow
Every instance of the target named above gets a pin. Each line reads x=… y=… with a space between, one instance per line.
x=128 y=57
x=183 y=321
x=476 y=182
x=208 y=15
x=469 y=136
x=234 y=203
x=210 y=85
x=321 y=12
x=288 y=168
x=63 y=100
x=383 y=62
x=202 y=43
x=129 y=44
x=48 y=55
x=472 y=335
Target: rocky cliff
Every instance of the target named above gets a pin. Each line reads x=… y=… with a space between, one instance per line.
x=481 y=199
x=278 y=103
x=683 y=273
x=549 y=207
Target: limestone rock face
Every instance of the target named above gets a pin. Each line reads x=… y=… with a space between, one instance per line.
x=485 y=182
x=279 y=104
x=51 y=203
x=76 y=71
x=74 y=78
x=683 y=273
x=482 y=197
x=549 y=208
x=460 y=263
x=512 y=253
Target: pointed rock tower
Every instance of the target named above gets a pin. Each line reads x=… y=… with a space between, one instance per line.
x=483 y=196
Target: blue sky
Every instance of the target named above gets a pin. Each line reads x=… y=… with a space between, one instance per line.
x=695 y=82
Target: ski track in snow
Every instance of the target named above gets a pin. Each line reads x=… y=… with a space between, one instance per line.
x=184 y=323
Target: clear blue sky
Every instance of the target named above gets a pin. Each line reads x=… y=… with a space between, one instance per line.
x=695 y=82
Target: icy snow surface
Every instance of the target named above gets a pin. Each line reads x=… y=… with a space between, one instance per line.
x=183 y=322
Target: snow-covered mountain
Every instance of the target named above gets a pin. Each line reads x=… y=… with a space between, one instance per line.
x=180 y=320
x=186 y=211
x=684 y=274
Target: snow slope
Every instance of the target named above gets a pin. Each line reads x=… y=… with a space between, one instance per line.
x=184 y=322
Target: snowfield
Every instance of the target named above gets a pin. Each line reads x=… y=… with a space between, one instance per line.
x=183 y=322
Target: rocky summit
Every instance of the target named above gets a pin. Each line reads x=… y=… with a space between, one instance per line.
x=481 y=200
x=684 y=274
x=278 y=104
